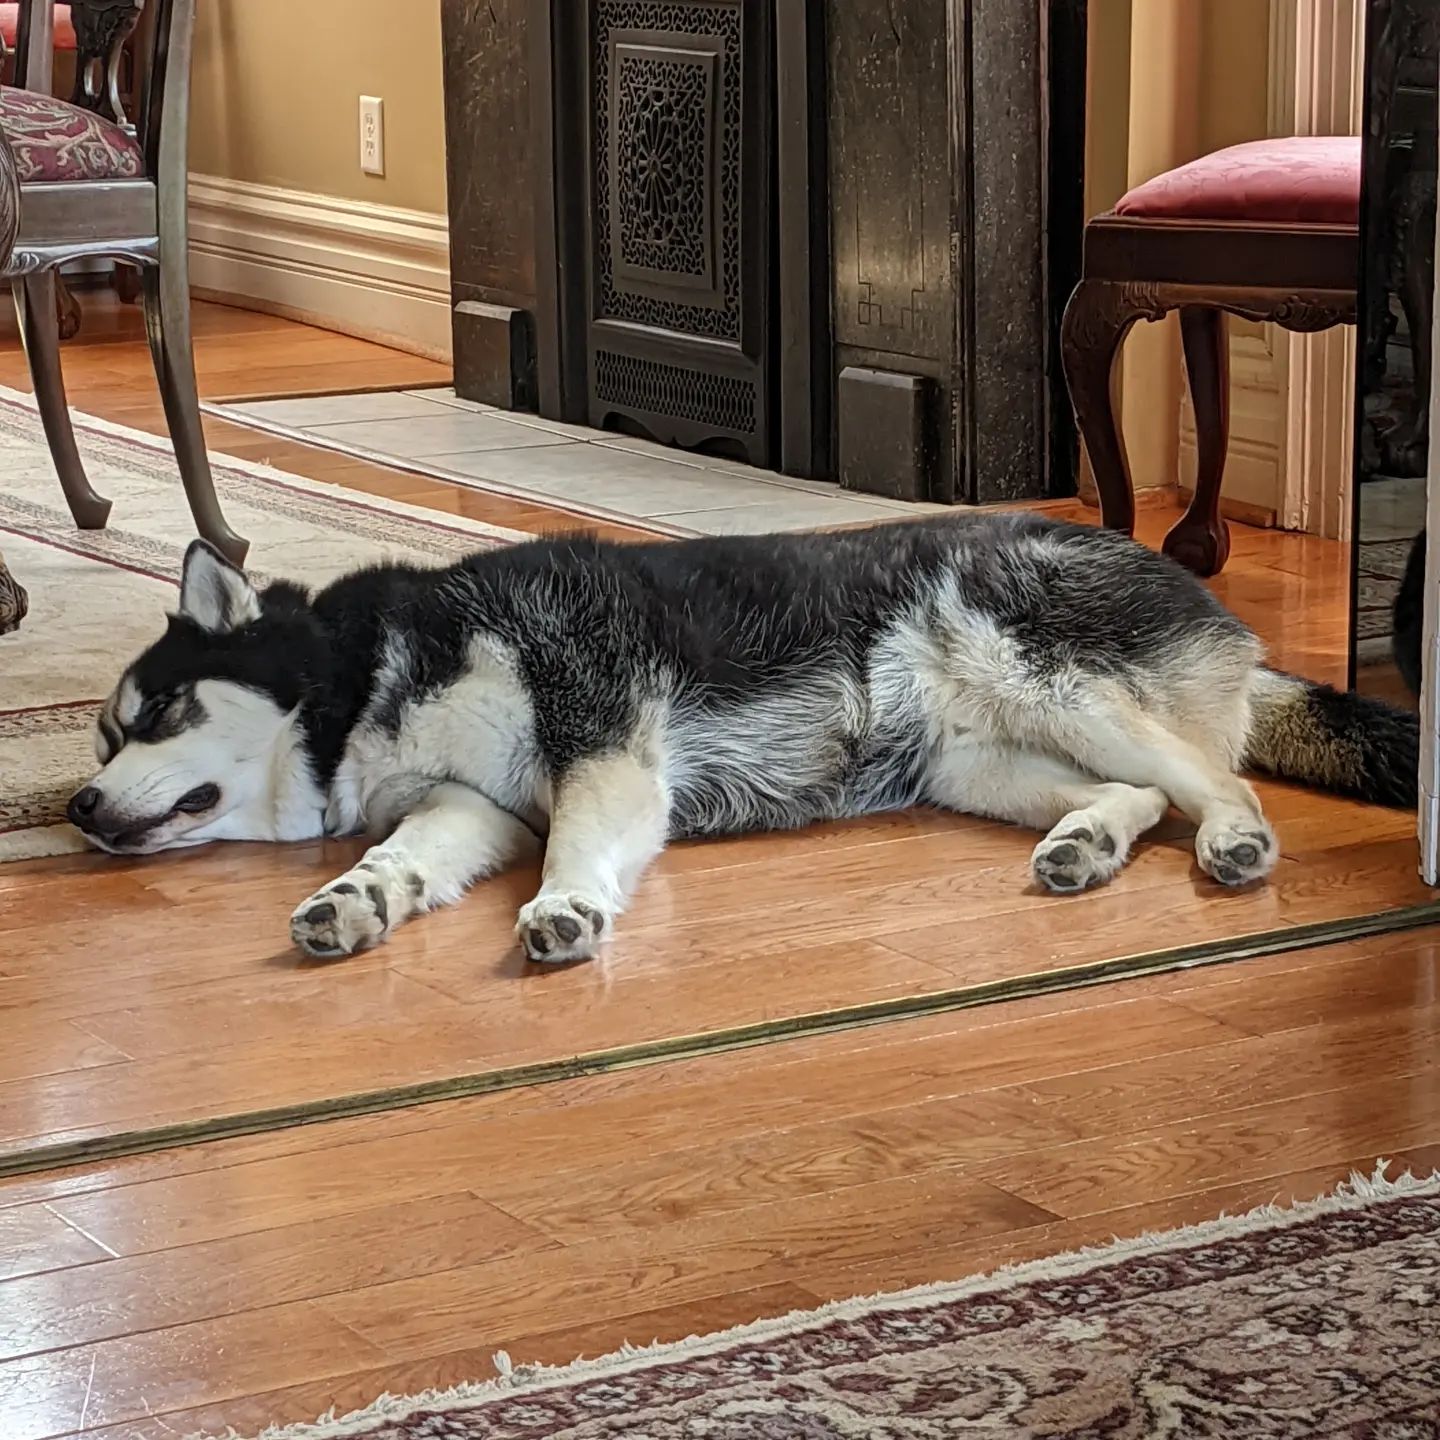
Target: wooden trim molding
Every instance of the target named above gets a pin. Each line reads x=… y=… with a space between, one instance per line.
x=375 y=271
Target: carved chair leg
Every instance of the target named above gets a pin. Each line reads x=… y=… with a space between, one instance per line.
x=13 y=600
x=1097 y=319
x=67 y=309
x=1200 y=540
x=127 y=284
x=165 y=299
x=40 y=334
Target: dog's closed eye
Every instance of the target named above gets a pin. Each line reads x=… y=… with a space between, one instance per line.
x=165 y=714
x=108 y=739
x=153 y=708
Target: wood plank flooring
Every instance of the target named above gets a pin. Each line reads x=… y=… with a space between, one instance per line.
x=272 y=1277
x=269 y=1278
x=196 y=1006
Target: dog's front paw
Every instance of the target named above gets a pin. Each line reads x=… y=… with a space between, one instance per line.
x=1084 y=855
x=1237 y=849
x=557 y=928
x=342 y=919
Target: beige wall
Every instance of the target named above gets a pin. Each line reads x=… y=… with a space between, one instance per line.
x=1107 y=126
x=1234 y=65
x=1229 y=90
x=276 y=96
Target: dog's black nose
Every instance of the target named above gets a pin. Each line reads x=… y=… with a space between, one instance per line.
x=82 y=806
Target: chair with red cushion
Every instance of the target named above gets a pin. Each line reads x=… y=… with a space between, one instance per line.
x=95 y=66
x=10 y=27
x=1267 y=230
x=94 y=46
x=87 y=187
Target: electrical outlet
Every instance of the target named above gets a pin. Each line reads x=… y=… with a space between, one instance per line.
x=372 y=135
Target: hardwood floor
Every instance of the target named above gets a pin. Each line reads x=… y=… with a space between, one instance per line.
x=152 y=1030
x=270 y=1277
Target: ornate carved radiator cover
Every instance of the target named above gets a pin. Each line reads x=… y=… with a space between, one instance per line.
x=679 y=141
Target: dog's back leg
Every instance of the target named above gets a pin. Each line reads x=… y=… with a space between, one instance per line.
x=1110 y=735
x=1091 y=825
x=610 y=819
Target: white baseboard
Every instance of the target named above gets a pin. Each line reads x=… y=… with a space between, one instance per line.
x=369 y=270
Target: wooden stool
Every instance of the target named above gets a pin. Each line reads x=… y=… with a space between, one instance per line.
x=1267 y=230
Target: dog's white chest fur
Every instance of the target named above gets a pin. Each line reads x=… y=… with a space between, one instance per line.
x=479 y=731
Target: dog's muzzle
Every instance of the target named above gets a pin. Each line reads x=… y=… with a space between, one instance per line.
x=87 y=812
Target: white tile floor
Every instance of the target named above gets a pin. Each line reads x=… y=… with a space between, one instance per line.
x=436 y=433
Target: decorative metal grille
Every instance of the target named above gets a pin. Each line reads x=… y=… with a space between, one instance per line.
x=674 y=172
x=723 y=401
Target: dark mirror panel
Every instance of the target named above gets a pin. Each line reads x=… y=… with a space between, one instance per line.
x=1397 y=287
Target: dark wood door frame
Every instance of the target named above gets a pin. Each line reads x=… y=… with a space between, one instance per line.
x=559 y=215
x=806 y=377
x=1018 y=191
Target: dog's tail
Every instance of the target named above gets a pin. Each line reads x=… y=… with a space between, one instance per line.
x=1334 y=740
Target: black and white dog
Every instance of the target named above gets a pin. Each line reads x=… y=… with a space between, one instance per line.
x=600 y=699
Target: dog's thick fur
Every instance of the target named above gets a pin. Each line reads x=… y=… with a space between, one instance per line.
x=601 y=699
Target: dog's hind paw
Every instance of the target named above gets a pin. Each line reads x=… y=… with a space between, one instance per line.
x=555 y=929
x=1085 y=854
x=1237 y=849
x=348 y=916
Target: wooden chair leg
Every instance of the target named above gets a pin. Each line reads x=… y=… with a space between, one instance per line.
x=1097 y=319
x=67 y=310
x=165 y=299
x=40 y=334
x=1200 y=540
x=127 y=284
x=13 y=600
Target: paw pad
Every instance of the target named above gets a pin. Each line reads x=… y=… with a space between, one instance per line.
x=1235 y=854
x=557 y=928
x=341 y=920
x=1075 y=860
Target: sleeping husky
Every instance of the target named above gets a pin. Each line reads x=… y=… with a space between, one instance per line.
x=598 y=699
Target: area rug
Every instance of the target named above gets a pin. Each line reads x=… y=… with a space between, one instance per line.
x=98 y=596
x=1319 y=1321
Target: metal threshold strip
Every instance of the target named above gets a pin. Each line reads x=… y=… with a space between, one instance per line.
x=713 y=1042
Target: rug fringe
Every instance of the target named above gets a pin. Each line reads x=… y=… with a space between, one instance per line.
x=1354 y=1193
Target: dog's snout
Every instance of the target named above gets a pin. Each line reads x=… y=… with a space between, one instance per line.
x=82 y=806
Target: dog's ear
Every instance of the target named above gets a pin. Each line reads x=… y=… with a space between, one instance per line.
x=214 y=594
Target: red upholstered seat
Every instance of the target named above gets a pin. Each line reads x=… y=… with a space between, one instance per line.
x=64 y=26
x=54 y=140
x=1304 y=179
